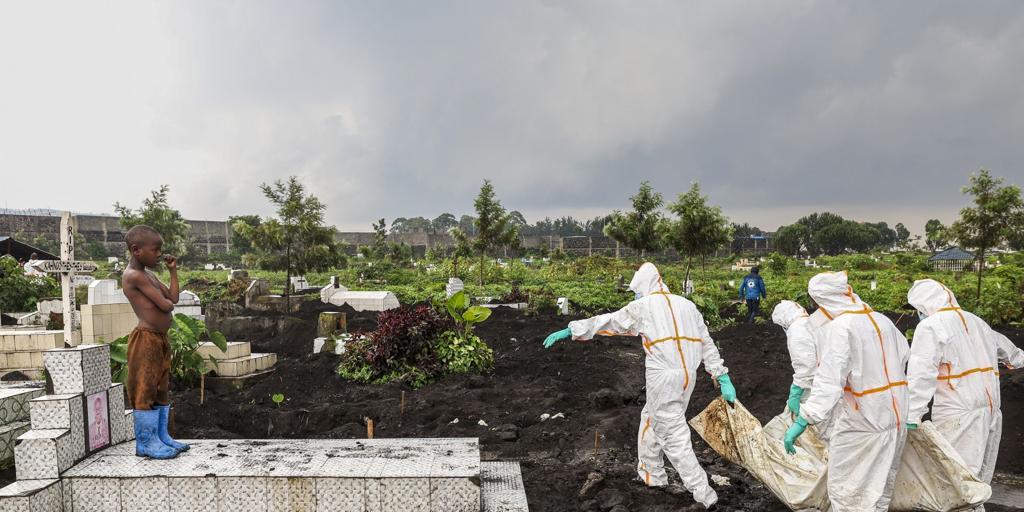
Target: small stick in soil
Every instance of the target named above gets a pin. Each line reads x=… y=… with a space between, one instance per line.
x=597 y=442
x=401 y=405
x=202 y=388
x=369 y=428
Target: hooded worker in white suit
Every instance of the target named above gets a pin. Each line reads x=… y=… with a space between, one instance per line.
x=862 y=362
x=676 y=341
x=955 y=359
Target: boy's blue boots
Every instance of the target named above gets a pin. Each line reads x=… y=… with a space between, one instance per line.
x=147 y=438
x=165 y=413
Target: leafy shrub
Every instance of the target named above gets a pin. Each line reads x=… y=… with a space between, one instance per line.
x=541 y=301
x=708 y=308
x=405 y=336
x=184 y=336
x=515 y=295
x=417 y=345
x=463 y=355
x=19 y=292
x=401 y=348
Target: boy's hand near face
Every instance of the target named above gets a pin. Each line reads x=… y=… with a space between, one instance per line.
x=171 y=262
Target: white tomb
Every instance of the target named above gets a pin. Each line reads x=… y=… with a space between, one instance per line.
x=106 y=291
x=365 y=300
x=455 y=285
x=189 y=304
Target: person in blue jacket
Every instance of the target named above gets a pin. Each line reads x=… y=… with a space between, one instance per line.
x=752 y=290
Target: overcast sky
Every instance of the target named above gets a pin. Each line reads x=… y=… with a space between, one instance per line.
x=874 y=110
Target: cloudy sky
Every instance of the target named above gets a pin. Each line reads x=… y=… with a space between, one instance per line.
x=874 y=110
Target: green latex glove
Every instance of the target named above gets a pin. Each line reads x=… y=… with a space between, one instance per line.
x=795 y=393
x=728 y=391
x=911 y=426
x=793 y=433
x=555 y=337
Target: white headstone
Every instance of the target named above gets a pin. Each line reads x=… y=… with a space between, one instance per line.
x=209 y=266
x=105 y=291
x=874 y=285
x=111 y=259
x=455 y=285
x=688 y=287
x=83 y=280
x=299 y=283
x=563 y=306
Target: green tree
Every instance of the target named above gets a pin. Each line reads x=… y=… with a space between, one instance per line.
x=790 y=239
x=699 y=230
x=642 y=228
x=493 y=229
x=19 y=292
x=997 y=212
x=444 y=222
x=158 y=214
x=239 y=243
x=936 y=235
x=296 y=241
x=463 y=248
x=902 y=235
x=814 y=223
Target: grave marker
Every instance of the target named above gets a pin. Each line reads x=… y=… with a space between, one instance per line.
x=66 y=266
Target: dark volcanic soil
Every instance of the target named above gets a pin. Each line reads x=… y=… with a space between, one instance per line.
x=598 y=386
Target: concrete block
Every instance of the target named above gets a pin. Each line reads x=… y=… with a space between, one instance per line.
x=32 y=496
x=7 y=343
x=37 y=359
x=242 y=365
x=83 y=369
x=3 y=360
x=501 y=488
x=62 y=412
x=96 y=494
x=24 y=342
x=42 y=454
x=20 y=360
x=115 y=411
x=9 y=434
x=235 y=350
x=14 y=401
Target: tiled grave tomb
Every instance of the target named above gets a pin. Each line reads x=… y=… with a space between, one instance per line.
x=66 y=463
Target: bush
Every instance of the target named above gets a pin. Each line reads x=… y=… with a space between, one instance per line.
x=19 y=292
x=541 y=301
x=403 y=347
x=464 y=355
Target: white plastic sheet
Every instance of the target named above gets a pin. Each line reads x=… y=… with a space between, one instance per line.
x=931 y=477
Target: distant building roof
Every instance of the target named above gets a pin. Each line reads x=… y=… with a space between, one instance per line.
x=953 y=253
x=21 y=250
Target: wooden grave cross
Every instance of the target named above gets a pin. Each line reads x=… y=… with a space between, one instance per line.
x=66 y=266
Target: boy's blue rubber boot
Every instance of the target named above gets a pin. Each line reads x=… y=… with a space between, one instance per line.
x=147 y=440
x=165 y=413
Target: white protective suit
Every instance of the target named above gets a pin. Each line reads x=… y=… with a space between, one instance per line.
x=862 y=361
x=955 y=357
x=676 y=341
x=803 y=348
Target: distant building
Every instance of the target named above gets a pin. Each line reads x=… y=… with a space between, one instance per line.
x=22 y=251
x=953 y=259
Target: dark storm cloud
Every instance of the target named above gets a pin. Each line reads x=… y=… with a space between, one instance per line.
x=385 y=109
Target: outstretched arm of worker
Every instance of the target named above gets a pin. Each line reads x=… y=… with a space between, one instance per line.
x=1009 y=354
x=624 y=322
x=923 y=370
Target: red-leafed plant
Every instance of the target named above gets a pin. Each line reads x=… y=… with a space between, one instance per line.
x=402 y=347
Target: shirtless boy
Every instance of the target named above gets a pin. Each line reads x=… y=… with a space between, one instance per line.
x=149 y=353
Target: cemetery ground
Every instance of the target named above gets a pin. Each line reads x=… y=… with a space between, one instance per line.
x=581 y=458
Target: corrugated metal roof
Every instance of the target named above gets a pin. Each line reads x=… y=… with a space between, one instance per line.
x=953 y=253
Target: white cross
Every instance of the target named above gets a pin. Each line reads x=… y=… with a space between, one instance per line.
x=66 y=266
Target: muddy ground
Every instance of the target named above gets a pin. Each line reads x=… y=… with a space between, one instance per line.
x=598 y=387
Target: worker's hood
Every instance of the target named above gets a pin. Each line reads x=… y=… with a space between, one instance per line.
x=832 y=292
x=787 y=312
x=647 y=280
x=929 y=296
